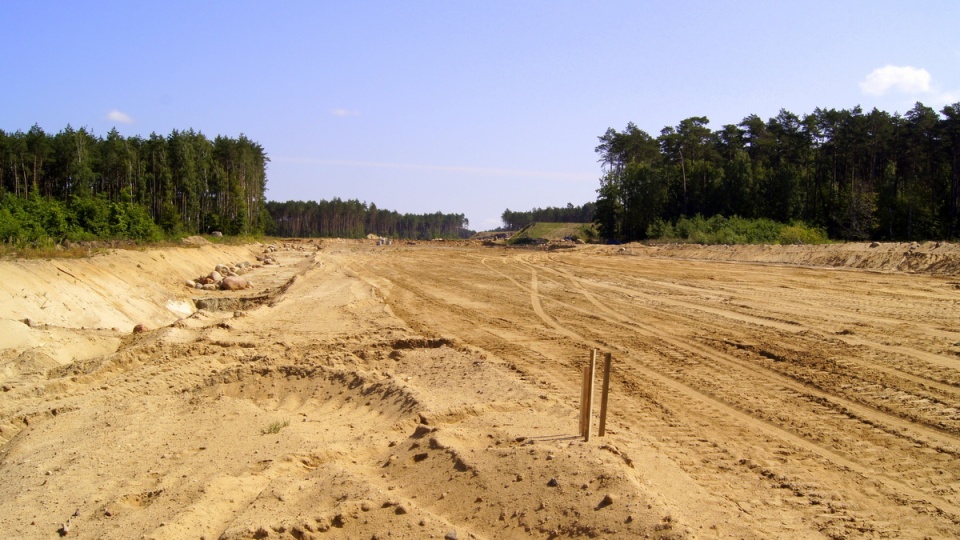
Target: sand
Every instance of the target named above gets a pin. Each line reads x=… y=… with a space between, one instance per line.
x=432 y=391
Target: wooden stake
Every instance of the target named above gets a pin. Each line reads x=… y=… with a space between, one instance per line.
x=591 y=375
x=583 y=401
x=607 y=361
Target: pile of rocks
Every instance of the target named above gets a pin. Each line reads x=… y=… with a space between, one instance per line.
x=224 y=277
x=266 y=258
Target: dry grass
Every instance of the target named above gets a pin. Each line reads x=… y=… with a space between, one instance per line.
x=275 y=427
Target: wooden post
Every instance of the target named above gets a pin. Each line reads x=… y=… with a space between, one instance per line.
x=590 y=376
x=607 y=361
x=583 y=401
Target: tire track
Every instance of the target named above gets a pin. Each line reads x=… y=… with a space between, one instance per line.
x=695 y=439
x=937 y=403
x=796 y=327
x=709 y=399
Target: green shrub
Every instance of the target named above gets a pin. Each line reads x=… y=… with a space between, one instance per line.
x=734 y=230
x=798 y=233
x=45 y=222
x=588 y=232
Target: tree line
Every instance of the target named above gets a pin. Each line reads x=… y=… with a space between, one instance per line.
x=354 y=219
x=184 y=182
x=857 y=175
x=514 y=221
x=78 y=186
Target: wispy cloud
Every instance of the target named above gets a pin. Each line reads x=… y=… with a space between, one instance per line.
x=344 y=112
x=901 y=79
x=910 y=84
x=455 y=169
x=118 y=116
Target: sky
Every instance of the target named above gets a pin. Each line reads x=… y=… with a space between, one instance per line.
x=458 y=106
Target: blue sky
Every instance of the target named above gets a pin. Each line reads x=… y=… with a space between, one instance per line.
x=457 y=106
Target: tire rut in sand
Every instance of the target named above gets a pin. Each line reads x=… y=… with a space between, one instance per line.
x=836 y=410
x=894 y=485
x=793 y=450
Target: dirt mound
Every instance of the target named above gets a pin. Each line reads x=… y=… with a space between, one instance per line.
x=941 y=258
x=195 y=241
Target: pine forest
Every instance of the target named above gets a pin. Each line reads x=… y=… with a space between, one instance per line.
x=857 y=175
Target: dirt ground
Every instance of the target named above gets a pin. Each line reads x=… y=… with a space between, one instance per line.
x=432 y=391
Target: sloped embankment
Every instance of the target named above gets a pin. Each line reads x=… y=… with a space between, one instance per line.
x=941 y=258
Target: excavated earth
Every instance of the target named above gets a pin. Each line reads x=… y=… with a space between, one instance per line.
x=433 y=391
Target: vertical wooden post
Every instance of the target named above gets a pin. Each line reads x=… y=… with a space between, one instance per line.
x=591 y=375
x=583 y=401
x=607 y=361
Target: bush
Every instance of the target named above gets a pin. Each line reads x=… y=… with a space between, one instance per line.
x=735 y=230
x=798 y=233
x=42 y=221
x=661 y=229
x=588 y=233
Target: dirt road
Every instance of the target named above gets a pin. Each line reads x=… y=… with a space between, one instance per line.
x=416 y=391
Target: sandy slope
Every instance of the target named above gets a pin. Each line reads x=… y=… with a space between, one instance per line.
x=430 y=391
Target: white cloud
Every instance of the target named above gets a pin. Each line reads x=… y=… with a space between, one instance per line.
x=902 y=79
x=117 y=116
x=344 y=112
x=949 y=98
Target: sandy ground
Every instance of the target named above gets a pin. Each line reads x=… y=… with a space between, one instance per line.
x=432 y=391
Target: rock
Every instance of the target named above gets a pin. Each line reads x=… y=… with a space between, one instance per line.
x=222 y=269
x=874 y=244
x=452 y=535
x=191 y=283
x=210 y=287
x=139 y=329
x=216 y=233
x=608 y=499
x=553 y=482
x=215 y=276
x=234 y=283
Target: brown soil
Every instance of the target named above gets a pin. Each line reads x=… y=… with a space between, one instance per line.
x=431 y=391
